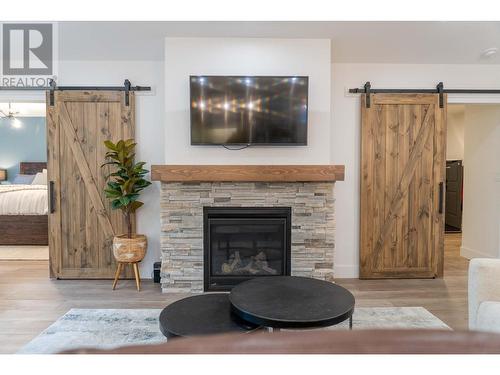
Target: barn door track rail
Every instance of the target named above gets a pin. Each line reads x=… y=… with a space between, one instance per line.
x=127 y=88
x=368 y=90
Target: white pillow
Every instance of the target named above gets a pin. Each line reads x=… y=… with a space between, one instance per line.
x=40 y=179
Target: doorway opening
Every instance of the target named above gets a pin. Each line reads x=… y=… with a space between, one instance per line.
x=23 y=181
x=472 y=214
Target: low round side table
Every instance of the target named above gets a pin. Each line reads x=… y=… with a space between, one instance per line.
x=204 y=314
x=292 y=302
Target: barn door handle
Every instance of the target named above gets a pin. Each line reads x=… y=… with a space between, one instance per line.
x=52 y=197
x=441 y=197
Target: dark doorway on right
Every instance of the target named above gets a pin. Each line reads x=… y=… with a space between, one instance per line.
x=454 y=196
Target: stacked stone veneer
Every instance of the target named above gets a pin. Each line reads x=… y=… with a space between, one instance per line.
x=313 y=225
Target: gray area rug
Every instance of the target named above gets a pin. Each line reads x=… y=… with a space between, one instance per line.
x=108 y=328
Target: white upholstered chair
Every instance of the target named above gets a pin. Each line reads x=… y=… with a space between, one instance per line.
x=484 y=295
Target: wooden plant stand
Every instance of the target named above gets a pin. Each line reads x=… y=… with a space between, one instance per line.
x=135 y=266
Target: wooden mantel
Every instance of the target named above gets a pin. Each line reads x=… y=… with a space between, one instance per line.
x=247 y=173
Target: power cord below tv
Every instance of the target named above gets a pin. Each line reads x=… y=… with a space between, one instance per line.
x=236 y=149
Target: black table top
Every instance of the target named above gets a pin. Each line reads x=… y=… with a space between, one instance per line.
x=291 y=302
x=202 y=314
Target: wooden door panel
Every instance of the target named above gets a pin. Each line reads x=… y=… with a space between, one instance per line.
x=53 y=175
x=400 y=167
x=439 y=170
x=82 y=121
x=408 y=114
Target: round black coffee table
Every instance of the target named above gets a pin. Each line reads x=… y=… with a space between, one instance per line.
x=202 y=314
x=291 y=302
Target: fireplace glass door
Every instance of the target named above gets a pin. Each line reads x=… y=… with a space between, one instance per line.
x=242 y=243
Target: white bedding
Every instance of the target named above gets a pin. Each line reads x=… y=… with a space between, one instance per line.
x=23 y=200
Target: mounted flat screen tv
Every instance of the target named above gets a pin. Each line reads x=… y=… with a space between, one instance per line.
x=249 y=110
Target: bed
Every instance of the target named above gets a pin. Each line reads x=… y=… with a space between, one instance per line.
x=24 y=209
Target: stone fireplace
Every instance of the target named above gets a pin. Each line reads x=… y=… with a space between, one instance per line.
x=187 y=205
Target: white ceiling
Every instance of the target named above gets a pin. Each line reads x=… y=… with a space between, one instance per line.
x=360 y=42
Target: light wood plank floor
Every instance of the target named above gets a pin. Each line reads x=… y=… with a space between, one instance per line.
x=30 y=301
x=24 y=253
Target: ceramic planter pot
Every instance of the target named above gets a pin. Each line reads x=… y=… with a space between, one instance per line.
x=130 y=250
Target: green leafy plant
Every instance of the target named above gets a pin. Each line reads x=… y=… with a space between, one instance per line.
x=126 y=180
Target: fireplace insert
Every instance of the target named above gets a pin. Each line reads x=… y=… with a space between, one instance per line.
x=241 y=243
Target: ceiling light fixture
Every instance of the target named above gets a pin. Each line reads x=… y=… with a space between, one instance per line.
x=10 y=113
x=14 y=121
x=489 y=52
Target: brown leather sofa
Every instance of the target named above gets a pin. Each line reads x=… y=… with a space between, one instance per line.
x=324 y=342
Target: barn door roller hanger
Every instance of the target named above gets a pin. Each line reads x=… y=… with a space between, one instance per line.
x=440 y=90
x=127 y=87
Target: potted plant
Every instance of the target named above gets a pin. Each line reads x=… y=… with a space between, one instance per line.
x=123 y=188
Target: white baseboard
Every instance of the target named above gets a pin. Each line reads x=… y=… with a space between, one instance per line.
x=346 y=271
x=471 y=253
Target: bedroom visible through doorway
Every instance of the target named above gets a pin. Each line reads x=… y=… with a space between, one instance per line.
x=23 y=181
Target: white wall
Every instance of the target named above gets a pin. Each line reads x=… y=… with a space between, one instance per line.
x=481 y=214
x=246 y=56
x=149 y=128
x=345 y=132
x=455 y=132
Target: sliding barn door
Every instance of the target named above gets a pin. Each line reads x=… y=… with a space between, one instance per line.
x=81 y=222
x=402 y=186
